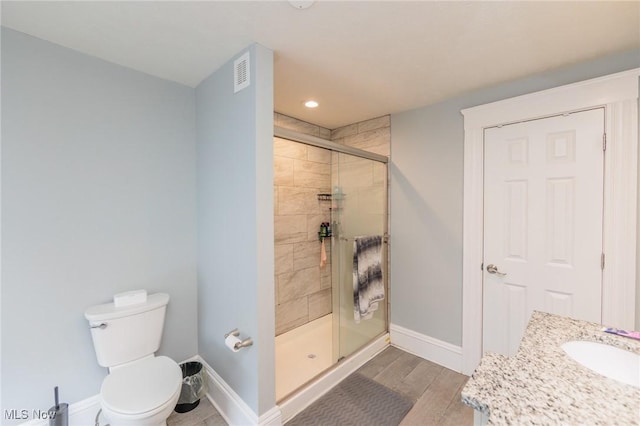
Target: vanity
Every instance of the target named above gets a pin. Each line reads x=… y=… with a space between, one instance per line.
x=542 y=384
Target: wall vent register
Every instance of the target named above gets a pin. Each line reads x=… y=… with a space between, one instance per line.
x=241 y=72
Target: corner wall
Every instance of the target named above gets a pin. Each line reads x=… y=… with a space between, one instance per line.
x=98 y=197
x=235 y=227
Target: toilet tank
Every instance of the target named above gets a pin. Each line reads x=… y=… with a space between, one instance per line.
x=124 y=334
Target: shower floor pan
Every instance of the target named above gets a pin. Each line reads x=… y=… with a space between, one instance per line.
x=302 y=354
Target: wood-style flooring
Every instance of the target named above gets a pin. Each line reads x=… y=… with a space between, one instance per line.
x=435 y=391
x=205 y=414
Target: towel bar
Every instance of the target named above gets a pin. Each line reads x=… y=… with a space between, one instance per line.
x=385 y=238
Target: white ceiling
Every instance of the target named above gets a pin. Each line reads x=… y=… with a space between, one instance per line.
x=359 y=59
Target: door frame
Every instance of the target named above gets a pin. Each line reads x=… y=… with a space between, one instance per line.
x=618 y=94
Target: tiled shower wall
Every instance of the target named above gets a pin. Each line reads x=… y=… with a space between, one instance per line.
x=303 y=289
x=371 y=135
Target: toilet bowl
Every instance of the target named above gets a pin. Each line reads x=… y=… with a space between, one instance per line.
x=141 y=389
x=142 y=393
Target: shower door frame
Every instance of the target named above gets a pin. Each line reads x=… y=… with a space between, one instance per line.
x=283 y=133
x=292 y=135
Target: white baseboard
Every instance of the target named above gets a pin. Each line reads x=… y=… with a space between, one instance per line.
x=272 y=417
x=232 y=407
x=228 y=403
x=427 y=347
x=81 y=413
x=236 y=412
x=306 y=396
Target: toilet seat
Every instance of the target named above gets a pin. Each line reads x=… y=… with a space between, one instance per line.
x=141 y=387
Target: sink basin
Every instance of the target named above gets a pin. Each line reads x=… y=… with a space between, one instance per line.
x=612 y=362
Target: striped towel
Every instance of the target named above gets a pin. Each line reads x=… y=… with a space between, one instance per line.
x=368 y=285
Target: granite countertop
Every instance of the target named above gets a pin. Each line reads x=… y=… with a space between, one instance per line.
x=541 y=384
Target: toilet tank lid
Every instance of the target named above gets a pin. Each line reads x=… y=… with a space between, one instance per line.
x=109 y=311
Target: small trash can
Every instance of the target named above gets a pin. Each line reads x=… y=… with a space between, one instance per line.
x=194 y=386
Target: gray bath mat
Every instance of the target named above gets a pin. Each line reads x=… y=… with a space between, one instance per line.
x=356 y=401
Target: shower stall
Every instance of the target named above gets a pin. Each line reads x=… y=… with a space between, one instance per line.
x=326 y=196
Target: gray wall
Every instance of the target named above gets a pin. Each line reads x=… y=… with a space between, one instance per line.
x=426 y=199
x=98 y=197
x=235 y=227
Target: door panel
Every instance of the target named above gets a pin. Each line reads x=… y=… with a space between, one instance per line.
x=543 y=223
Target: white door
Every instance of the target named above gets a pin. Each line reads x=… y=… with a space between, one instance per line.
x=542 y=224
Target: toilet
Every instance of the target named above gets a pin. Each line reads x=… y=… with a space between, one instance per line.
x=141 y=389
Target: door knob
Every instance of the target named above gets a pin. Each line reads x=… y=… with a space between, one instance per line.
x=493 y=269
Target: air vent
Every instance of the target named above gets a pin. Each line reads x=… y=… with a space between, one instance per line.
x=241 y=72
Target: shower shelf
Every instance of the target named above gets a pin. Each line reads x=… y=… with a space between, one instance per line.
x=324 y=197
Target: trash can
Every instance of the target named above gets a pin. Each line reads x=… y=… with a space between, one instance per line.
x=194 y=386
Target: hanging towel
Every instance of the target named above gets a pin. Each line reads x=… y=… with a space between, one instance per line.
x=323 y=254
x=368 y=285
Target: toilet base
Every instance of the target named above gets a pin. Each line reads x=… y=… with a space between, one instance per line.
x=157 y=418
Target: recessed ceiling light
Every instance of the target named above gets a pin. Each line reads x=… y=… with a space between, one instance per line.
x=301 y=4
x=311 y=104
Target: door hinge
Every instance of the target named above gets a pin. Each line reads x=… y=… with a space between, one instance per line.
x=604 y=141
x=602 y=261
x=482 y=266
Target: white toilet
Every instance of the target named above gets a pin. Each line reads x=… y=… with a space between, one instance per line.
x=141 y=389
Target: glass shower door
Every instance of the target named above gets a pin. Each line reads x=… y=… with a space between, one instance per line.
x=359 y=208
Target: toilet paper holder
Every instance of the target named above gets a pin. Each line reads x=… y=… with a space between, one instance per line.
x=241 y=344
